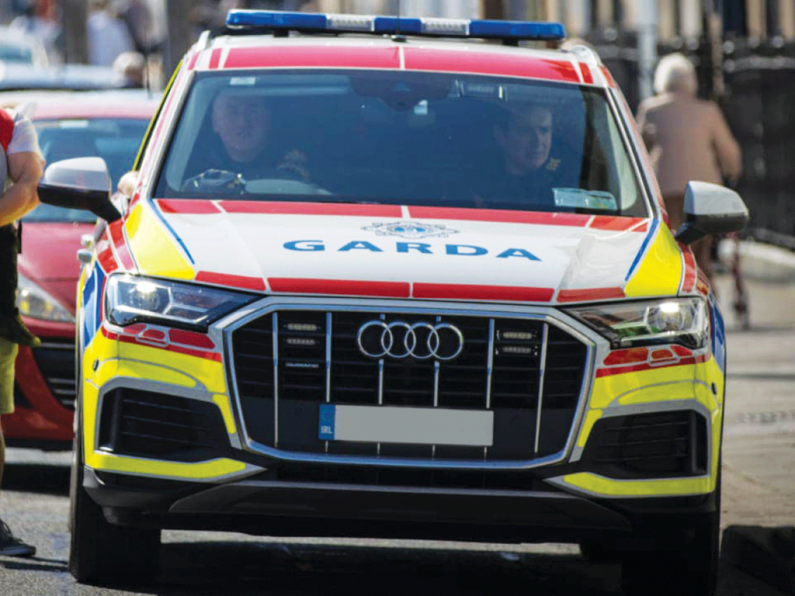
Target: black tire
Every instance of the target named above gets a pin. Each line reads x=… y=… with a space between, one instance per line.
x=690 y=567
x=100 y=552
x=597 y=552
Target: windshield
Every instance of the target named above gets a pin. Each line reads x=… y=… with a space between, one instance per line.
x=401 y=138
x=116 y=140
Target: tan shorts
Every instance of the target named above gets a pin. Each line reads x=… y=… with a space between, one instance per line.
x=8 y=354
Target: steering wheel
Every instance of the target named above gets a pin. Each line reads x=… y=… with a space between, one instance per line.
x=217 y=181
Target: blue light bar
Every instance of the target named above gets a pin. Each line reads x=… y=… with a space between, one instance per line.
x=429 y=27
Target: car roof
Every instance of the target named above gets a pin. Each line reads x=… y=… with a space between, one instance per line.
x=65 y=76
x=138 y=106
x=320 y=51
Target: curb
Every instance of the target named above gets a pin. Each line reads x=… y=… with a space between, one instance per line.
x=765 y=553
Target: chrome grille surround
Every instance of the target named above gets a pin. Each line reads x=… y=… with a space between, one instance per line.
x=329 y=306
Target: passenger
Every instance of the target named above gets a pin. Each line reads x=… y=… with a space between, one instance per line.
x=527 y=171
x=242 y=122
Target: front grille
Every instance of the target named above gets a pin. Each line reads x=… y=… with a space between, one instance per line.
x=147 y=424
x=289 y=362
x=56 y=361
x=655 y=445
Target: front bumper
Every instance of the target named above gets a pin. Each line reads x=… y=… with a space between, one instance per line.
x=235 y=485
x=258 y=505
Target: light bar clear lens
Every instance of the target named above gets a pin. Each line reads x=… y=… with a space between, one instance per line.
x=130 y=299
x=445 y=27
x=675 y=321
x=350 y=22
x=311 y=22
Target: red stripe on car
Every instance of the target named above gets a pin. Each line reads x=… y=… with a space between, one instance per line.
x=689 y=280
x=604 y=222
x=586 y=73
x=388 y=289
x=473 y=292
x=215 y=356
x=312 y=56
x=235 y=281
x=187 y=206
x=629 y=356
x=590 y=294
x=284 y=208
x=490 y=63
x=501 y=216
x=215 y=58
x=191 y=338
x=608 y=77
x=105 y=257
x=606 y=372
x=116 y=233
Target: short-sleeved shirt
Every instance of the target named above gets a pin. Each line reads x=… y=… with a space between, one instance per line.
x=23 y=139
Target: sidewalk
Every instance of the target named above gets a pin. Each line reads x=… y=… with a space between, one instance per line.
x=759 y=439
x=770 y=273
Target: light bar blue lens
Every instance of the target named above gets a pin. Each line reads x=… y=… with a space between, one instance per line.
x=312 y=22
x=393 y=25
x=272 y=19
x=517 y=30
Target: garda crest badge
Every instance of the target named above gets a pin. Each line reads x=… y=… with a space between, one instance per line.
x=410 y=229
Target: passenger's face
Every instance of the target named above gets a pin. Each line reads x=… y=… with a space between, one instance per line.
x=243 y=123
x=527 y=140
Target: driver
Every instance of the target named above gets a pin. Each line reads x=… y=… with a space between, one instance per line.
x=526 y=171
x=242 y=122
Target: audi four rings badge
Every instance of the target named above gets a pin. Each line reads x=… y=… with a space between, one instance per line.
x=399 y=339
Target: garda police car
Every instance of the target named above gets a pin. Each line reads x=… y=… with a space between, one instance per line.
x=367 y=282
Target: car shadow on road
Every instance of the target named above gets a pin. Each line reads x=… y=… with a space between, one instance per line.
x=46 y=479
x=290 y=569
x=293 y=569
x=34 y=564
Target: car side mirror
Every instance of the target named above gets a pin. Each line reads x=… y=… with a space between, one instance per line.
x=80 y=183
x=711 y=209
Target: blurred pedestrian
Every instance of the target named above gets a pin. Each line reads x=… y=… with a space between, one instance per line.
x=688 y=139
x=130 y=70
x=40 y=19
x=138 y=18
x=21 y=162
x=107 y=35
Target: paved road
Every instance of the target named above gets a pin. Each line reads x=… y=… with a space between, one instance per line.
x=759 y=489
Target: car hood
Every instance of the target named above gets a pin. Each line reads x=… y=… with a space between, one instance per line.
x=402 y=252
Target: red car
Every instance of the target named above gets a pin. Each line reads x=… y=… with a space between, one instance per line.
x=110 y=126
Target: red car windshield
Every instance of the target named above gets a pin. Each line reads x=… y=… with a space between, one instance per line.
x=116 y=140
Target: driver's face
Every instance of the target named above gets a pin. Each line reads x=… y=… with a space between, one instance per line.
x=527 y=140
x=243 y=123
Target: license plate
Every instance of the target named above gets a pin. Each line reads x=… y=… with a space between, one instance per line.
x=419 y=426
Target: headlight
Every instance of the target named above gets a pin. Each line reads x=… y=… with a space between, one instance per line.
x=36 y=303
x=130 y=299
x=673 y=321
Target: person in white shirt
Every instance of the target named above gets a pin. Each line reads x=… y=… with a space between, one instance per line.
x=21 y=163
x=107 y=36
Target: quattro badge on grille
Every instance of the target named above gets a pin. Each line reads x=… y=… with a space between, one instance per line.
x=378 y=339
